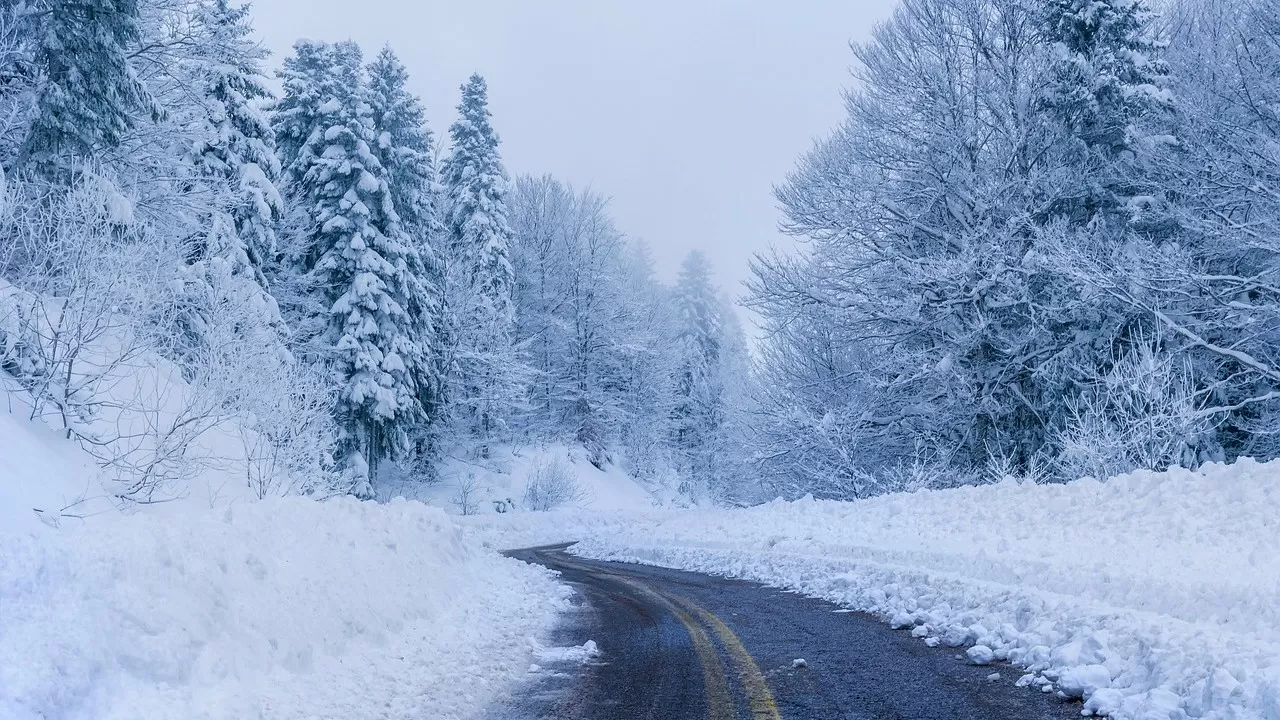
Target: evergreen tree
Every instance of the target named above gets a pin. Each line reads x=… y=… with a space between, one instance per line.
x=236 y=145
x=404 y=146
x=480 y=272
x=353 y=254
x=698 y=412
x=90 y=95
x=1107 y=85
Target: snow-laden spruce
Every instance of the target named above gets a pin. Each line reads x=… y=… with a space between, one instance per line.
x=355 y=262
x=479 y=277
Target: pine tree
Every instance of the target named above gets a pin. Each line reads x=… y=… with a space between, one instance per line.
x=352 y=252
x=236 y=145
x=90 y=95
x=1107 y=84
x=698 y=412
x=480 y=272
x=405 y=148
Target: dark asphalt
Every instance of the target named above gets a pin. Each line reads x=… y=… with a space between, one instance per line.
x=647 y=622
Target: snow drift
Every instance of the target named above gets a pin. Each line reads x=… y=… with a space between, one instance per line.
x=285 y=608
x=1152 y=595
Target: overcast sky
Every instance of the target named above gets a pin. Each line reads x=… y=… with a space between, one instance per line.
x=684 y=112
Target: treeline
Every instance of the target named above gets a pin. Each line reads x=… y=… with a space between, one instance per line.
x=363 y=298
x=1043 y=242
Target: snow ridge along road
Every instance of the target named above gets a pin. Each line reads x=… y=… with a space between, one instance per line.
x=1151 y=596
x=678 y=646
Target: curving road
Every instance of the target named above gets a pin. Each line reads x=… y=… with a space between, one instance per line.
x=677 y=645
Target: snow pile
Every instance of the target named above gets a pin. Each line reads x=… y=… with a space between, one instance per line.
x=286 y=608
x=1152 y=595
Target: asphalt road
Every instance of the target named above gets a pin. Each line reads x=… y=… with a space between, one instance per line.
x=677 y=645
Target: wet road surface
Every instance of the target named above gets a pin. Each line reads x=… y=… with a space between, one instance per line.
x=679 y=646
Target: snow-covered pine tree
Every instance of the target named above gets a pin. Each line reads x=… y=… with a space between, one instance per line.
x=405 y=148
x=236 y=145
x=89 y=94
x=698 y=413
x=1107 y=86
x=354 y=257
x=228 y=183
x=479 y=278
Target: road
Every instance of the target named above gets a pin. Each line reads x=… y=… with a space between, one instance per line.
x=677 y=645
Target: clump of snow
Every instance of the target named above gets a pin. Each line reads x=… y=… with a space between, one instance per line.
x=580 y=654
x=1151 y=595
x=980 y=655
x=279 y=609
x=1083 y=680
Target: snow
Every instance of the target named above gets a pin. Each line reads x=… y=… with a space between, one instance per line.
x=609 y=491
x=285 y=608
x=581 y=654
x=1128 y=593
x=42 y=475
x=217 y=605
x=980 y=655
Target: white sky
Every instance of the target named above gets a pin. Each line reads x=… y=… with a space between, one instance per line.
x=684 y=113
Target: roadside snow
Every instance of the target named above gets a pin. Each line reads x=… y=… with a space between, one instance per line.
x=1152 y=595
x=277 y=609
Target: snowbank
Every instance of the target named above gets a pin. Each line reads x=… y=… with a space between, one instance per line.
x=277 y=609
x=1152 y=595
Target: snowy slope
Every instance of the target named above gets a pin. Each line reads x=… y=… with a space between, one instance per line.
x=504 y=477
x=41 y=472
x=277 y=609
x=1153 y=595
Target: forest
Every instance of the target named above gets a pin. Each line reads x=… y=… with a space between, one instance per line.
x=1043 y=243
x=358 y=296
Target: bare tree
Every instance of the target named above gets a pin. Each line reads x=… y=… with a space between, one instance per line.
x=550 y=484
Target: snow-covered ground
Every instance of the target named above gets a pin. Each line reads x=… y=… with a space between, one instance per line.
x=216 y=604
x=1152 y=595
x=219 y=605
x=500 y=482
x=284 y=608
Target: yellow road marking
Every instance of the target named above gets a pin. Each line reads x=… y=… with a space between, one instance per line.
x=761 y=699
x=719 y=702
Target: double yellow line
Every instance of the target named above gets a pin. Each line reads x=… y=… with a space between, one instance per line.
x=697 y=621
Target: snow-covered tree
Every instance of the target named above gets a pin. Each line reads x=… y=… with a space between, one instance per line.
x=236 y=145
x=698 y=413
x=349 y=247
x=570 y=311
x=1109 y=101
x=926 y=209
x=479 y=276
x=89 y=93
x=405 y=148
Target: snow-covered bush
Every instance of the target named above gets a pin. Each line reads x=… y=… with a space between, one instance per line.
x=551 y=484
x=466 y=495
x=1141 y=415
x=83 y=292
